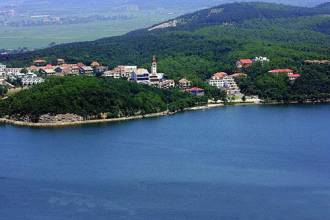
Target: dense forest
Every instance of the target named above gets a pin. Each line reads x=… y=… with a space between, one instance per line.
x=313 y=85
x=91 y=96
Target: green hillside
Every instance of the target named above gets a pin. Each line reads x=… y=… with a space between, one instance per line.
x=198 y=44
x=91 y=96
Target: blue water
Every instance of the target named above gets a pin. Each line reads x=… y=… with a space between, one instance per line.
x=243 y=162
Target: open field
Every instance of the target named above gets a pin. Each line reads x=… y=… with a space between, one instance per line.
x=42 y=36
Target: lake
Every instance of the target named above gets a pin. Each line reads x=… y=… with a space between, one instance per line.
x=241 y=162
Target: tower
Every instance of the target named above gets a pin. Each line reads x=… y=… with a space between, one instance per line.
x=154 y=65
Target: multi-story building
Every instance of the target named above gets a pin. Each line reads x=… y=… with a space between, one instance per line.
x=2 y=70
x=141 y=75
x=31 y=79
x=222 y=80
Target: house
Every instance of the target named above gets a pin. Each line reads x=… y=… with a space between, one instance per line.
x=33 y=68
x=95 y=64
x=86 y=70
x=196 y=91
x=64 y=69
x=74 y=69
x=239 y=75
x=261 y=59
x=9 y=71
x=294 y=76
x=48 y=70
x=141 y=75
x=279 y=71
x=124 y=71
x=222 y=80
x=244 y=63
x=112 y=74
x=289 y=72
x=40 y=62
x=167 y=84
x=184 y=83
x=60 y=62
x=100 y=69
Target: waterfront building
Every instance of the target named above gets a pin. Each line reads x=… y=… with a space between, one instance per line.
x=222 y=80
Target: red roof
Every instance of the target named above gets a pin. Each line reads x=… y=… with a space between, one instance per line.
x=219 y=75
x=295 y=75
x=49 y=66
x=194 y=89
x=245 y=61
x=281 y=71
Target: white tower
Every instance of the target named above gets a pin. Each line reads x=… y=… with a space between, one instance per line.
x=154 y=65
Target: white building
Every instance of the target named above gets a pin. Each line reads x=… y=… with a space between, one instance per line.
x=222 y=80
x=261 y=59
x=13 y=71
x=112 y=74
x=2 y=70
x=31 y=79
x=141 y=76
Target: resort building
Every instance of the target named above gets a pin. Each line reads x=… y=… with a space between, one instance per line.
x=222 y=80
x=31 y=79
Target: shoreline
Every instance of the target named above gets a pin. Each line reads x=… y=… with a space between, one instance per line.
x=152 y=115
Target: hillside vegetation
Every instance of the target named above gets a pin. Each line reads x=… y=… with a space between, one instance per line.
x=90 y=96
x=213 y=39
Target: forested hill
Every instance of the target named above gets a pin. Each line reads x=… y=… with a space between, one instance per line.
x=209 y=40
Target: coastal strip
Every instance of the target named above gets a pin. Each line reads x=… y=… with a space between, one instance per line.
x=100 y=121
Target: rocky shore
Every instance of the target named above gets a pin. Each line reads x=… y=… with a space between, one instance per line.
x=53 y=121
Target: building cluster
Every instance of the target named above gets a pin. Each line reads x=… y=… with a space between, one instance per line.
x=289 y=72
x=245 y=63
x=227 y=82
x=10 y=76
x=142 y=75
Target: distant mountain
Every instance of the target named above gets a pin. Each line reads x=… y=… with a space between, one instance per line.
x=147 y=4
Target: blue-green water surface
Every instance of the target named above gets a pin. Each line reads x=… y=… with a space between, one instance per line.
x=236 y=163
